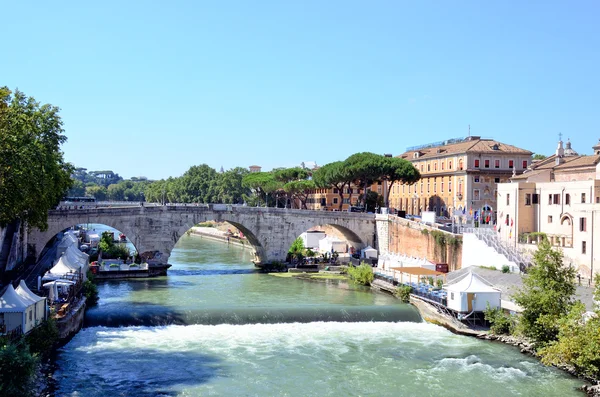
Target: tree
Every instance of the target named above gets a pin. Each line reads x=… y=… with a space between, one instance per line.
x=538 y=156
x=99 y=192
x=297 y=248
x=17 y=369
x=364 y=169
x=33 y=174
x=333 y=175
x=546 y=296
x=229 y=187
x=373 y=201
x=261 y=183
x=396 y=169
x=78 y=189
x=299 y=190
x=286 y=176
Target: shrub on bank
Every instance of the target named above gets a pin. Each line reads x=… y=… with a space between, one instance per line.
x=501 y=323
x=17 y=369
x=90 y=291
x=403 y=292
x=43 y=338
x=362 y=274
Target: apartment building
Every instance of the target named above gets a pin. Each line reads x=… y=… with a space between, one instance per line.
x=559 y=198
x=459 y=177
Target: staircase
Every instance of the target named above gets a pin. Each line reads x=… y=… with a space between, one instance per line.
x=490 y=237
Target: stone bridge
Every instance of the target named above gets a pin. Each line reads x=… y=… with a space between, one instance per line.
x=271 y=231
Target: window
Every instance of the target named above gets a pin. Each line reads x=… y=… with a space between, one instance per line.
x=449 y=165
x=496 y=180
x=421 y=187
x=442 y=187
x=476 y=179
x=346 y=201
x=567 y=199
x=527 y=198
x=496 y=163
x=549 y=218
x=434 y=187
x=335 y=191
x=511 y=163
x=582 y=224
x=335 y=200
x=449 y=186
x=427 y=186
x=476 y=163
x=535 y=198
x=549 y=199
x=443 y=162
x=486 y=163
x=582 y=197
x=507 y=199
x=524 y=163
x=428 y=167
x=476 y=195
x=435 y=166
x=556 y=199
x=597 y=200
x=583 y=247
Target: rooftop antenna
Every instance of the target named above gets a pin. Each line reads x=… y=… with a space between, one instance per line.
x=469 y=130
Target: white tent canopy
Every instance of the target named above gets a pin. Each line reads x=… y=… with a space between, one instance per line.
x=64 y=267
x=369 y=252
x=332 y=244
x=67 y=241
x=472 y=293
x=39 y=302
x=15 y=311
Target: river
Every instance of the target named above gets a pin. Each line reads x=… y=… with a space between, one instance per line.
x=216 y=327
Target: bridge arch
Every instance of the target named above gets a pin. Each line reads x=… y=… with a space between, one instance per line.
x=271 y=231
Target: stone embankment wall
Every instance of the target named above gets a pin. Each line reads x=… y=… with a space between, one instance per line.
x=419 y=240
x=72 y=322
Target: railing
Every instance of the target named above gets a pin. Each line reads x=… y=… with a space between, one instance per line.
x=489 y=236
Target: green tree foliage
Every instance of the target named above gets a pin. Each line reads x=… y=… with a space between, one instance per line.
x=33 y=174
x=374 y=200
x=99 y=192
x=362 y=274
x=546 y=296
x=394 y=169
x=333 y=175
x=578 y=343
x=90 y=291
x=78 y=189
x=229 y=187
x=501 y=323
x=17 y=369
x=297 y=248
x=110 y=250
x=299 y=190
x=43 y=338
x=364 y=169
x=261 y=184
x=538 y=156
x=403 y=292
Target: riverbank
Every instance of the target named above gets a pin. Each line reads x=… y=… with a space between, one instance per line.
x=214 y=234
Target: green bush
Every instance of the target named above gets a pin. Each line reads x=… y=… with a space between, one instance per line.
x=90 y=291
x=362 y=274
x=42 y=339
x=206 y=224
x=505 y=269
x=403 y=292
x=501 y=323
x=17 y=369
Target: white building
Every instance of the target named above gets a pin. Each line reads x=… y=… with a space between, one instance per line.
x=557 y=198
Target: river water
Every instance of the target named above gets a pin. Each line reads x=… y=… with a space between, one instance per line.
x=216 y=327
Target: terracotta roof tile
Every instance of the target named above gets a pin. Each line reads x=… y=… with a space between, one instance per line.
x=473 y=146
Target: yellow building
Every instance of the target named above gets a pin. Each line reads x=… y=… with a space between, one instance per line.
x=458 y=177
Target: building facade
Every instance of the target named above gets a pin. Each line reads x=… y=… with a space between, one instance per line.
x=557 y=198
x=459 y=177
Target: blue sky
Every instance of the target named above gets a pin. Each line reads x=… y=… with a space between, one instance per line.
x=152 y=88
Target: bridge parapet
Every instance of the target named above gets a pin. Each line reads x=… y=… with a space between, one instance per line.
x=271 y=231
